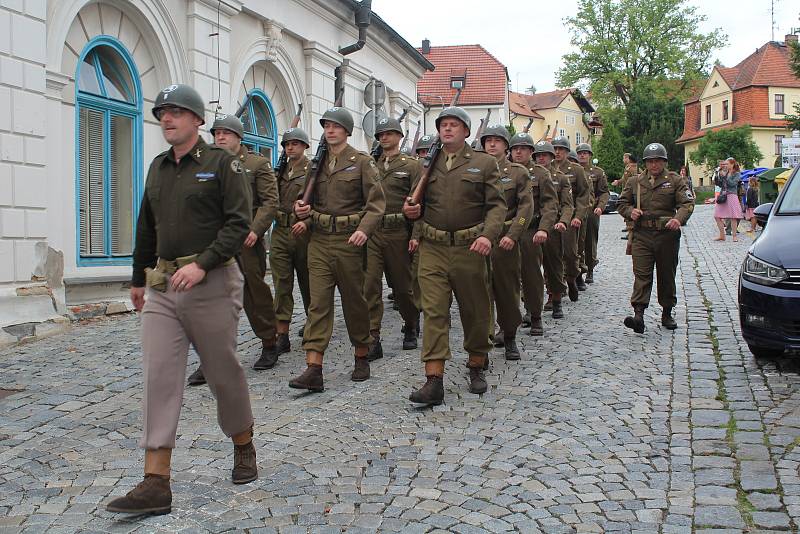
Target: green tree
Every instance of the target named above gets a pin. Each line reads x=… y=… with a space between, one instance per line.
x=654 y=117
x=731 y=142
x=620 y=42
x=609 y=148
x=794 y=61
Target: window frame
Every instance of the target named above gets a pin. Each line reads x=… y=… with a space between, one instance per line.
x=779 y=144
x=725 y=113
x=109 y=107
x=708 y=114
x=782 y=101
x=253 y=140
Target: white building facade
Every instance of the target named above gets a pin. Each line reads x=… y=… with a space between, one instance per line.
x=77 y=84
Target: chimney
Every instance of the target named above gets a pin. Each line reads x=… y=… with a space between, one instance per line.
x=790 y=38
x=426 y=46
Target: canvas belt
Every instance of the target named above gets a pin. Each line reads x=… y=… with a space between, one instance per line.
x=285 y=220
x=157 y=278
x=456 y=239
x=333 y=224
x=657 y=223
x=394 y=220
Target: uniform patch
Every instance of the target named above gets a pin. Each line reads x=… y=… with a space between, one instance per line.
x=400 y=173
x=505 y=179
x=522 y=221
x=351 y=168
x=665 y=185
x=473 y=170
x=236 y=166
x=689 y=195
x=205 y=176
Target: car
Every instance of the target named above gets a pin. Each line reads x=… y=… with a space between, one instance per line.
x=611 y=205
x=769 y=280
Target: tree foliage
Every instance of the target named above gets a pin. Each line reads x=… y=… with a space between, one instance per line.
x=609 y=148
x=620 y=42
x=731 y=142
x=651 y=118
x=794 y=61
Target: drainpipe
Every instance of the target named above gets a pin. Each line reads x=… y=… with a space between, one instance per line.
x=363 y=16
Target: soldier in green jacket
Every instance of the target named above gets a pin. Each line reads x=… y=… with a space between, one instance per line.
x=599 y=185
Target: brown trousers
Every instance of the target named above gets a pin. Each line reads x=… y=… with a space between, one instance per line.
x=532 y=277
x=387 y=251
x=258 y=303
x=582 y=246
x=288 y=256
x=505 y=288
x=207 y=316
x=553 y=262
x=655 y=249
x=572 y=267
x=592 y=236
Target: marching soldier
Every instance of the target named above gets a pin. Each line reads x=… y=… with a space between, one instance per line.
x=453 y=251
x=553 y=261
x=631 y=169
x=581 y=199
x=515 y=182
x=599 y=184
x=425 y=143
x=258 y=306
x=347 y=207
x=658 y=202
x=194 y=217
x=288 y=255
x=423 y=146
x=545 y=212
x=387 y=250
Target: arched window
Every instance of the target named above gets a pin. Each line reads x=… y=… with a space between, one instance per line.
x=108 y=142
x=259 y=126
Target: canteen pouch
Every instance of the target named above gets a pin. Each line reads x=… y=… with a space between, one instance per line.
x=155 y=279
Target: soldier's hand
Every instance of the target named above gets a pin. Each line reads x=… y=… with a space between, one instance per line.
x=301 y=209
x=673 y=224
x=615 y=183
x=137 y=298
x=250 y=240
x=540 y=237
x=482 y=246
x=299 y=228
x=413 y=245
x=575 y=223
x=560 y=227
x=598 y=211
x=507 y=243
x=635 y=214
x=412 y=212
x=187 y=277
x=358 y=238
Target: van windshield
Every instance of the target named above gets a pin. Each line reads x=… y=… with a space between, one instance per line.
x=790 y=205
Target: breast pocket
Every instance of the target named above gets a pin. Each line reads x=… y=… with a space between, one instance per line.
x=201 y=203
x=348 y=184
x=472 y=189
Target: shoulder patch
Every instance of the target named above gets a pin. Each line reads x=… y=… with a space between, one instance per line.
x=689 y=194
x=236 y=166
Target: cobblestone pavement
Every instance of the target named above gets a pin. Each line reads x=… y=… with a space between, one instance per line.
x=596 y=429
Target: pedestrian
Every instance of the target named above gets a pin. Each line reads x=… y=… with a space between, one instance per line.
x=463 y=215
x=258 y=305
x=751 y=203
x=347 y=207
x=387 y=250
x=194 y=218
x=658 y=202
x=288 y=254
x=728 y=206
x=599 y=185
x=684 y=173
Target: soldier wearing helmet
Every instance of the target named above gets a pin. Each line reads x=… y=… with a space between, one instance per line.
x=425 y=143
x=515 y=182
x=545 y=213
x=387 y=250
x=599 y=184
x=288 y=255
x=582 y=200
x=463 y=215
x=658 y=202
x=347 y=208
x=195 y=215
x=553 y=260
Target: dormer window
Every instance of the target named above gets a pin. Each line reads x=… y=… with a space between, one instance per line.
x=458 y=78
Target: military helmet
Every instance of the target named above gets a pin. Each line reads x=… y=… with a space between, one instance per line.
x=573 y=156
x=561 y=141
x=655 y=151
x=388 y=124
x=522 y=139
x=228 y=122
x=544 y=147
x=426 y=142
x=458 y=113
x=295 y=134
x=180 y=96
x=498 y=130
x=584 y=147
x=340 y=116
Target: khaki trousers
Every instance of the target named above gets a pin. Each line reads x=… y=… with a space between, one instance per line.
x=532 y=277
x=572 y=260
x=387 y=251
x=445 y=270
x=655 y=249
x=288 y=256
x=582 y=265
x=553 y=262
x=505 y=288
x=258 y=303
x=207 y=316
x=592 y=236
x=332 y=264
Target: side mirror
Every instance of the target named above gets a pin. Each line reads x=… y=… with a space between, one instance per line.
x=762 y=213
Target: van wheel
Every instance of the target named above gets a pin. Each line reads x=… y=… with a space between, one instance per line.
x=763 y=352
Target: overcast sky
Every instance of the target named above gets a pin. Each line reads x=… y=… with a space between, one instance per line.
x=530 y=38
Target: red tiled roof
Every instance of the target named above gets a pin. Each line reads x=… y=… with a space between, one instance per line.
x=486 y=77
x=518 y=105
x=548 y=100
x=769 y=65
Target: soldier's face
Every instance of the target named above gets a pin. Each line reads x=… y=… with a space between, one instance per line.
x=583 y=157
x=294 y=149
x=227 y=139
x=422 y=153
x=494 y=146
x=655 y=166
x=521 y=154
x=544 y=158
x=625 y=159
x=561 y=153
x=389 y=140
x=179 y=127
x=452 y=131
x=335 y=134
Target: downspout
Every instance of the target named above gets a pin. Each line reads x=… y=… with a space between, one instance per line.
x=363 y=18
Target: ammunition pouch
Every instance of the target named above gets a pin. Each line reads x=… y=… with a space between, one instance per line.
x=456 y=239
x=332 y=224
x=158 y=278
x=653 y=223
x=392 y=221
x=285 y=220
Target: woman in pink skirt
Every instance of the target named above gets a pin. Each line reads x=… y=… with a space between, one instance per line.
x=729 y=178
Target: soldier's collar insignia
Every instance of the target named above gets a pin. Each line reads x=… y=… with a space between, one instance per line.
x=352 y=158
x=473 y=170
x=351 y=168
x=197 y=153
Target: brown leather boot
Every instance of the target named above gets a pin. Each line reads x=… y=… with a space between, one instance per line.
x=558 y=311
x=512 y=352
x=310 y=379
x=636 y=323
x=282 y=344
x=548 y=306
x=572 y=289
x=197 y=378
x=477 y=376
x=375 y=348
x=361 y=369
x=667 y=321
x=245 y=468
x=537 y=329
x=269 y=356
x=151 y=496
x=432 y=393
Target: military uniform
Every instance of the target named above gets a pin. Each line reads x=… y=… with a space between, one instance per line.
x=582 y=199
x=631 y=170
x=599 y=185
x=553 y=260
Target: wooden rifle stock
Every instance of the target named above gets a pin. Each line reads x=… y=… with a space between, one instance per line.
x=320 y=158
x=284 y=158
x=547 y=131
x=416 y=138
x=427 y=167
x=476 y=143
x=528 y=126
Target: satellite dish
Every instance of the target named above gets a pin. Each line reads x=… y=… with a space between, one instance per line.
x=368 y=124
x=379 y=92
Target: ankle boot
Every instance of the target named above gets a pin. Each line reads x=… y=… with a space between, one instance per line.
x=197 y=378
x=477 y=380
x=268 y=359
x=409 y=337
x=151 y=496
x=432 y=393
x=282 y=344
x=512 y=352
x=667 y=320
x=526 y=319
x=375 y=351
x=498 y=340
x=636 y=323
x=572 y=289
x=537 y=329
x=548 y=306
x=590 y=277
x=245 y=468
x=558 y=312
x=580 y=283
x=310 y=379
x=360 y=369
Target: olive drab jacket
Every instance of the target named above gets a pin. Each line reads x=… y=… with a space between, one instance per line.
x=397 y=177
x=581 y=192
x=545 y=197
x=599 y=185
x=666 y=198
x=566 y=208
x=292 y=182
x=264 y=189
x=516 y=185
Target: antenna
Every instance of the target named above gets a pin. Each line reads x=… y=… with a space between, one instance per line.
x=219 y=82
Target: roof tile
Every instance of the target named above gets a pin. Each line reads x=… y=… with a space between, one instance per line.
x=486 y=77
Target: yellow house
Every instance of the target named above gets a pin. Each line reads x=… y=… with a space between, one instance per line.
x=758 y=92
x=563 y=112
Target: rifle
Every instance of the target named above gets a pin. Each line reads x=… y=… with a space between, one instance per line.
x=377 y=150
x=629 y=244
x=547 y=131
x=476 y=142
x=455 y=97
x=528 y=126
x=555 y=130
x=415 y=144
x=284 y=158
x=320 y=158
x=427 y=167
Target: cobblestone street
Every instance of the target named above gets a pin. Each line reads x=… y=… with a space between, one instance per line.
x=596 y=429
